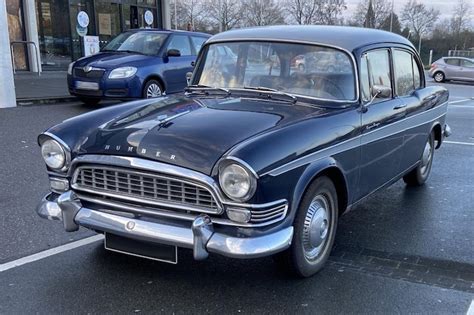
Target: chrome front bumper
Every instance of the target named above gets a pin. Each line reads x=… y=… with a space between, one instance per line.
x=201 y=237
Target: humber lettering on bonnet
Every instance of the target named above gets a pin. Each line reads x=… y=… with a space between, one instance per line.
x=281 y=130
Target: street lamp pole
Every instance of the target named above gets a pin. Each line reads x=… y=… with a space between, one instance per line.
x=175 y=15
x=391 y=17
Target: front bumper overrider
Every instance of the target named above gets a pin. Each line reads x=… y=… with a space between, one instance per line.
x=200 y=236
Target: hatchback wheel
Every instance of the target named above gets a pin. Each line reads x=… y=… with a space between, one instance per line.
x=152 y=89
x=439 y=77
x=315 y=229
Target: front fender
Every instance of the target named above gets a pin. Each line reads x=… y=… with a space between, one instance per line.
x=312 y=171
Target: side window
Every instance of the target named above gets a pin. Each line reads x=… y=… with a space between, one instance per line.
x=452 y=61
x=181 y=43
x=198 y=42
x=467 y=63
x=416 y=73
x=379 y=68
x=403 y=68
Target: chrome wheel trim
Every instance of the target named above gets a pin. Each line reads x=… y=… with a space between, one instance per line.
x=316 y=227
x=153 y=90
x=438 y=77
x=426 y=157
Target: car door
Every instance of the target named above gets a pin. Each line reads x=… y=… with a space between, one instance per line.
x=407 y=81
x=452 y=68
x=467 y=70
x=381 y=135
x=178 y=66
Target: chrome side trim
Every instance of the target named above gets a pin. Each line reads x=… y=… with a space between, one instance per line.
x=368 y=137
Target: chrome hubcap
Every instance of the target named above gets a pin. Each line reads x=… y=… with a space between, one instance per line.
x=316 y=227
x=439 y=77
x=153 y=90
x=426 y=158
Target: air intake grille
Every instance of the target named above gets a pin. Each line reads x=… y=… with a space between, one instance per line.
x=144 y=187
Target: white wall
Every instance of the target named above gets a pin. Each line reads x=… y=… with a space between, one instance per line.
x=7 y=85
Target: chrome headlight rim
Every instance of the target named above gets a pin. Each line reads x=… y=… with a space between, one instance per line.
x=46 y=136
x=251 y=175
x=70 y=68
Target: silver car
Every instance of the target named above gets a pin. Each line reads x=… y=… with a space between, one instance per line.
x=452 y=68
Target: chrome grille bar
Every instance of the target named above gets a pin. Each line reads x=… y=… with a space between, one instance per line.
x=145 y=188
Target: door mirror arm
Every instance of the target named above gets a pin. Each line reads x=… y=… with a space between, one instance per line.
x=377 y=91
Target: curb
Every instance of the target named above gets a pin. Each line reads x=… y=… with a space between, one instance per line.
x=46 y=100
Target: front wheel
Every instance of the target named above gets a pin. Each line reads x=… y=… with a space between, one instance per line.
x=152 y=89
x=315 y=229
x=420 y=174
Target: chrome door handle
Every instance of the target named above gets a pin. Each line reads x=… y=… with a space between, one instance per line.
x=400 y=106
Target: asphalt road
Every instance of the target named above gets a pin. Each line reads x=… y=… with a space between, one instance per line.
x=402 y=251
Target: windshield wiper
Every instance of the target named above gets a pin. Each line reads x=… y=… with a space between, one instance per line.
x=273 y=94
x=204 y=89
x=123 y=51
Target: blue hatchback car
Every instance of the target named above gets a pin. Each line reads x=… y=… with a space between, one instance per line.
x=142 y=63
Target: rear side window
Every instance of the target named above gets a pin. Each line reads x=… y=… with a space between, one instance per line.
x=452 y=61
x=403 y=68
x=198 y=42
x=467 y=63
x=181 y=43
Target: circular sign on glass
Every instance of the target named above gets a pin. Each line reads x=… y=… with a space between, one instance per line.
x=148 y=17
x=83 y=19
x=81 y=31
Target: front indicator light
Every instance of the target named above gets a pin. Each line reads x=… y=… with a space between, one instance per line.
x=239 y=215
x=59 y=184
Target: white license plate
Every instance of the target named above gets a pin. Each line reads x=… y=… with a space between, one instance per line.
x=81 y=85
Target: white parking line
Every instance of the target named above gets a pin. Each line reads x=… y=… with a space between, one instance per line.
x=470 y=311
x=460 y=101
x=458 y=142
x=50 y=252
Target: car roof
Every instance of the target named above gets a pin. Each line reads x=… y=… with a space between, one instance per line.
x=160 y=30
x=346 y=37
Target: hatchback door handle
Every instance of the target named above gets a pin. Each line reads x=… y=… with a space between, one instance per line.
x=400 y=106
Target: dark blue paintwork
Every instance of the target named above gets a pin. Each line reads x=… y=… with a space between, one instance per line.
x=287 y=145
x=169 y=71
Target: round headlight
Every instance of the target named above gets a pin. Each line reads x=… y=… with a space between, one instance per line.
x=53 y=154
x=236 y=182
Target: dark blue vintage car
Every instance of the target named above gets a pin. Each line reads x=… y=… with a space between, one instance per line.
x=260 y=157
x=142 y=63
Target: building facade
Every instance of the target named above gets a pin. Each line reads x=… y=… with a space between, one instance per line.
x=59 y=33
x=42 y=35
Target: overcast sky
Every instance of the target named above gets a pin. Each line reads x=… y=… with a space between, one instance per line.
x=444 y=6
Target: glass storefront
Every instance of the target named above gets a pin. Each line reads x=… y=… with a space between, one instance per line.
x=60 y=36
x=16 y=32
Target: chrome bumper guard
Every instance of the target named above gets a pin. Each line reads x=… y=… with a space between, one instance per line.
x=201 y=237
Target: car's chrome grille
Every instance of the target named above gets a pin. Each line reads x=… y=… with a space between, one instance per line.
x=144 y=187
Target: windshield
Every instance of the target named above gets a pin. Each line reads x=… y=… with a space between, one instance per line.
x=299 y=69
x=148 y=43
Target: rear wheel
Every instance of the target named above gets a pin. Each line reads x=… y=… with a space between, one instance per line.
x=315 y=229
x=420 y=174
x=152 y=89
x=439 y=77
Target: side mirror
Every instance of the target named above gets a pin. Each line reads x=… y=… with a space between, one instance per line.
x=381 y=91
x=378 y=91
x=189 y=75
x=173 y=53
